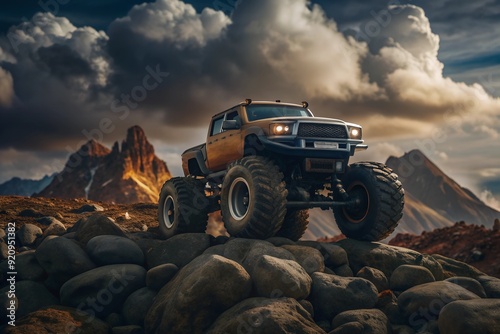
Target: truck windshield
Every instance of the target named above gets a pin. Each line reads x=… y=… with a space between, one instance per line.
x=262 y=111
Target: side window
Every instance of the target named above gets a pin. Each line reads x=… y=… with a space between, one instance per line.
x=217 y=126
x=233 y=116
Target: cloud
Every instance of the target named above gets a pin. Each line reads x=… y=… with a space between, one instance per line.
x=489 y=199
x=390 y=82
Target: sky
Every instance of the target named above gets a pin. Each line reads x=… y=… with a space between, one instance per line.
x=414 y=74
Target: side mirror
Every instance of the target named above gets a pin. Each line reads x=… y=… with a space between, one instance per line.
x=230 y=125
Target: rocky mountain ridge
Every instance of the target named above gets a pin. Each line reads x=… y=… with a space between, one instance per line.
x=25 y=187
x=131 y=174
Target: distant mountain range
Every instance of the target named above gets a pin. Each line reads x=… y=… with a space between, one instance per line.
x=432 y=200
x=25 y=187
x=128 y=175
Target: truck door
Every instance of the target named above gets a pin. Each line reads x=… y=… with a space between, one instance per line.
x=223 y=146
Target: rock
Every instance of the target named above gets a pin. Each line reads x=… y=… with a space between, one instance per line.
x=103 y=290
x=62 y=259
x=470 y=284
x=386 y=258
x=422 y=303
x=274 y=278
x=215 y=250
x=137 y=306
x=31 y=296
x=453 y=267
x=373 y=321
x=496 y=225
x=279 y=241
x=157 y=277
x=48 y=220
x=30 y=213
x=88 y=208
x=130 y=329
x=220 y=240
x=114 y=320
x=4 y=250
x=375 y=276
x=349 y=328
x=28 y=268
x=470 y=316
x=332 y=294
x=112 y=249
x=59 y=319
x=28 y=233
x=97 y=224
x=491 y=285
x=263 y=316
x=344 y=271
x=55 y=228
x=407 y=276
x=307 y=306
x=174 y=250
x=248 y=252
x=309 y=258
x=197 y=295
x=388 y=303
x=335 y=256
x=3 y=234
x=402 y=329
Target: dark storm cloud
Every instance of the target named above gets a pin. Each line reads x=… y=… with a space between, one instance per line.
x=202 y=61
x=64 y=62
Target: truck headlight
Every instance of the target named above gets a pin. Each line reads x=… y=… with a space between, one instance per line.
x=355 y=132
x=281 y=129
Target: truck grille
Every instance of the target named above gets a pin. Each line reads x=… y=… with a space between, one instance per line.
x=310 y=130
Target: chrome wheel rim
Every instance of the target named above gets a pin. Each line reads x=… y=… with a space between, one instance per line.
x=239 y=198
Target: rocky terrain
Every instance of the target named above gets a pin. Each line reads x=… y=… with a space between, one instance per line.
x=83 y=270
x=473 y=244
x=130 y=174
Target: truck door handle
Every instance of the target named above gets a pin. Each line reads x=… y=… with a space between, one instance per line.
x=223 y=137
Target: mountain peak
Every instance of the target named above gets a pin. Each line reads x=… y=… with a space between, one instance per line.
x=94 y=149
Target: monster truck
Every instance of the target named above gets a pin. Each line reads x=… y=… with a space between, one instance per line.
x=264 y=164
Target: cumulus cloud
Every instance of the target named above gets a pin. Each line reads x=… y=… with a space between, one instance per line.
x=267 y=49
x=489 y=199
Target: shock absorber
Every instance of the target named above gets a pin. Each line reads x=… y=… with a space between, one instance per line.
x=338 y=188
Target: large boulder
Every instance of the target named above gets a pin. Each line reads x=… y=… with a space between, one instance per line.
x=31 y=296
x=470 y=316
x=375 y=276
x=372 y=322
x=407 y=276
x=157 y=277
x=386 y=258
x=112 y=249
x=470 y=284
x=454 y=267
x=92 y=226
x=248 y=252
x=55 y=228
x=137 y=306
x=197 y=295
x=103 y=290
x=62 y=259
x=59 y=319
x=491 y=285
x=273 y=277
x=421 y=304
x=309 y=258
x=263 y=316
x=179 y=250
x=28 y=268
x=335 y=256
x=28 y=233
x=332 y=294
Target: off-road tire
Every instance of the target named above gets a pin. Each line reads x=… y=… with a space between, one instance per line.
x=382 y=200
x=257 y=181
x=295 y=224
x=185 y=199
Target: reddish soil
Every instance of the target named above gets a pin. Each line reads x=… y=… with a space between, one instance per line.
x=472 y=244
